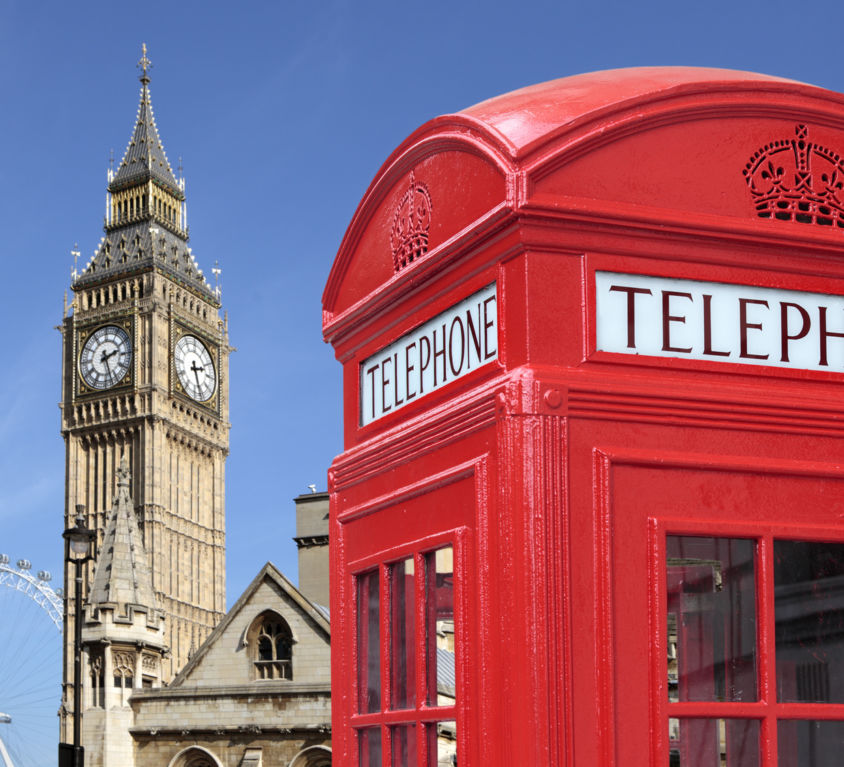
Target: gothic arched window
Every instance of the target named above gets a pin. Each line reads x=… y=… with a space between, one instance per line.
x=124 y=675
x=272 y=647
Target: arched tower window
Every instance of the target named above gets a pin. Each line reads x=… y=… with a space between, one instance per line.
x=124 y=676
x=97 y=682
x=272 y=647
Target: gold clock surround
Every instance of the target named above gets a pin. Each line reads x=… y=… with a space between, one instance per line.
x=179 y=330
x=83 y=333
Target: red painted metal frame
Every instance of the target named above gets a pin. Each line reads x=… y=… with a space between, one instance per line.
x=535 y=466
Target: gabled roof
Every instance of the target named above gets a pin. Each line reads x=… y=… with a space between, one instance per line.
x=145 y=157
x=122 y=576
x=269 y=572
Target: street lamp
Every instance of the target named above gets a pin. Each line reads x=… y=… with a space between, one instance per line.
x=79 y=549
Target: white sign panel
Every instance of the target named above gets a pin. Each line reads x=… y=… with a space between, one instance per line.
x=716 y=321
x=445 y=348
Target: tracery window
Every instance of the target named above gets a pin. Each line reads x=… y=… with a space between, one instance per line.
x=97 y=682
x=272 y=641
x=124 y=676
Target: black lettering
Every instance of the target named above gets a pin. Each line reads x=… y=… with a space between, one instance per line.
x=424 y=361
x=824 y=334
x=407 y=368
x=744 y=326
x=488 y=323
x=371 y=374
x=455 y=371
x=631 y=310
x=396 y=371
x=707 y=329
x=439 y=353
x=668 y=318
x=785 y=336
x=475 y=338
x=384 y=383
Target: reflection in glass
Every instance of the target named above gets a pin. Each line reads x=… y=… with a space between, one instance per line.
x=439 y=626
x=713 y=743
x=809 y=607
x=711 y=619
x=369 y=658
x=442 y=744
x=810 y=743
x=369 y=747
x=404 y=746
x=402 y=631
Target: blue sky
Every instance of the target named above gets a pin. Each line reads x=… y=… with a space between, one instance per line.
x=282 y=113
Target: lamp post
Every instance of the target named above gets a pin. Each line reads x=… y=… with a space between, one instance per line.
x=79 y=549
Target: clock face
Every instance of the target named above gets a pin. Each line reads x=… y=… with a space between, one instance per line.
x=195 y=368
x=106 y=357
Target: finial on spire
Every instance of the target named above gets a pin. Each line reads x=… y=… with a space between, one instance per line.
x=216 y=271
x=145 y=64
x=74 y=273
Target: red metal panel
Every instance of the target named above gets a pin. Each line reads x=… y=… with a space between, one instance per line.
x=557 y=470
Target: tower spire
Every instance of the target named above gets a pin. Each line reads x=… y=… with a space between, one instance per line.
x=122 y=575
x=146 y=218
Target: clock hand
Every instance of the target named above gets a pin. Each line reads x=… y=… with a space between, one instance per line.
x=105 y=359
x=196 y=369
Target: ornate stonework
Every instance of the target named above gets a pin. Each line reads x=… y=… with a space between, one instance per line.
x=144 y=280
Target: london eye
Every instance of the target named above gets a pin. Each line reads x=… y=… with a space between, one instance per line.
x=30 y=665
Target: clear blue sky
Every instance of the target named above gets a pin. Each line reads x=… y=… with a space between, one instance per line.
x=282 y=113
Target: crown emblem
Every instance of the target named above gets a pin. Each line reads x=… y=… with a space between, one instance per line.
x=797 y=180
x=411 y=222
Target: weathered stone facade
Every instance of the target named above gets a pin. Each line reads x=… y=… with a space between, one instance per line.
x=169 y=678
x=219 y=705
x=124 y=395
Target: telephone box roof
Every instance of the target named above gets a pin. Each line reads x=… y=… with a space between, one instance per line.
x=525 y=116
x=510 y=147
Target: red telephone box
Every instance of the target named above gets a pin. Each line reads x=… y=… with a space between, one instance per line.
x=590 y=510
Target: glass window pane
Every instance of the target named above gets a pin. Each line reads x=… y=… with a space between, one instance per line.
x=711 y=621
x=441 y=744
x=369 y=747
x=713 y=743
x=810 y=743
x=809 y=607
x=403 y=746
x=369 y=657
x=439 y=628
x=402 y=633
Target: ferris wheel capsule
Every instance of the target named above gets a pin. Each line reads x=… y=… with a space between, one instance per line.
x=24 y=564
x=4 y=559
x=45 y=576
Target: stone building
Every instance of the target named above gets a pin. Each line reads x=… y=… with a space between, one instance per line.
x=145 y=376
x=256 y=692
x=170 y=678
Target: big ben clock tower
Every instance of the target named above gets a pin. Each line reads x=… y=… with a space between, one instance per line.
x=145 y=378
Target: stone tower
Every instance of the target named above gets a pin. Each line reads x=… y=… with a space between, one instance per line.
x=123 y=635
x=145 y=376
